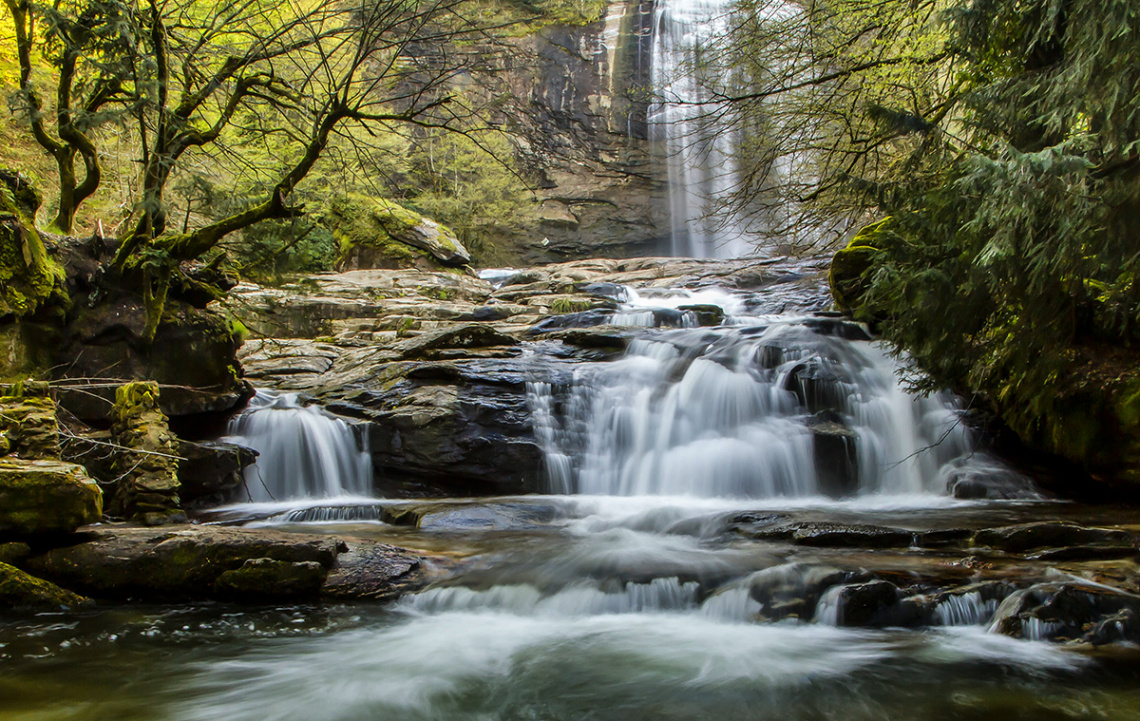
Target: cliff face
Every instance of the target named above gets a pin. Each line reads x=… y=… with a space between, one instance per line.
x=581 y=95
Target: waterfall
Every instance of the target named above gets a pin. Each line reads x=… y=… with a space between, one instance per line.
x=759 y=407
x=689 y=127
x=304 y=452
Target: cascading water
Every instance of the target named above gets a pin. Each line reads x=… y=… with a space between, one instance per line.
x=686 y=122
x=304 y=452
x=760 y=407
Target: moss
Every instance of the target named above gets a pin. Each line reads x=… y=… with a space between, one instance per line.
x=148 y=485
x=562 y=306
x=45 y=496
x=22 y=591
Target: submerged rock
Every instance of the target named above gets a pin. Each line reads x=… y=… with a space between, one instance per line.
x=46 y=497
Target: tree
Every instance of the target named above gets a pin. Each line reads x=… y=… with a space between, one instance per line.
x=196 y=80
x=1001 y=140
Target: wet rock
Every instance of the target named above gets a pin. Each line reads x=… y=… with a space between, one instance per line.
x=463 y=426
x=22 y=592
x=175 y=563
x=838 y=535
x=839 y=328
x=260 y=579
x=584 y=319
x=605 y=338
x=1050 y=534
x=793 y=590
x=1068 y=612
x=818 y=384
x=212 y=473
x=706 y=315
x=836 y=457
x=374 y=571
x=872 y=604
x=989 y=483
x=46 y=497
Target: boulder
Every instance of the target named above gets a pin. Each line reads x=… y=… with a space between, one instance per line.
x=836 y=457
x=466 y=335
x=212 y=473
x=377 y=233
x=22 y=592
x=46 y=497
x=870 y=604
x=706 y=315
x=849 y=274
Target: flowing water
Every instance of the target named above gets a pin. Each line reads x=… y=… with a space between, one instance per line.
x=626 y=593
x=688 y=124
x=303 y=452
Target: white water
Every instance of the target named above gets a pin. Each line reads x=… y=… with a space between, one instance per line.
x=688 y=123
x=760 y=407
x=304 y=452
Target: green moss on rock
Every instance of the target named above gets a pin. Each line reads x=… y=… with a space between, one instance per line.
x=20 y=591
x=29 y=277
x=44 y=496
x=849 y=276
x=377 y=233
x=268 y=578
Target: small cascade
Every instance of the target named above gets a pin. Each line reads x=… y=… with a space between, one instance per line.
x=304 y=452
x=758 y=407
x=967 y=609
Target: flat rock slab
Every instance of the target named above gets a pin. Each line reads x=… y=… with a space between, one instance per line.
x=374 y=572
x=205 y=562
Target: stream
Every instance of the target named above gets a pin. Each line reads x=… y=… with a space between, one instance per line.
x=657 y=578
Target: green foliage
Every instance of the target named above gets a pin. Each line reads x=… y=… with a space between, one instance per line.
x=1012 y=266
x=469 y=183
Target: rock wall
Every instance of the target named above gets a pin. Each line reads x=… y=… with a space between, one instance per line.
x=581 y=94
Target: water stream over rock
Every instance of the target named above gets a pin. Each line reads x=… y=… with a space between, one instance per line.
x=303 y=451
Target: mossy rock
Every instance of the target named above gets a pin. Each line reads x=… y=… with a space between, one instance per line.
x=849 y=276
x=20 y=591
x=29 y=426
x=259 y=579
x=377 y=233
x=44 y=497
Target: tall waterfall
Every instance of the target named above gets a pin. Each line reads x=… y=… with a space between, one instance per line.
x=689 y=126
x=759 y=407
x=305 y=452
